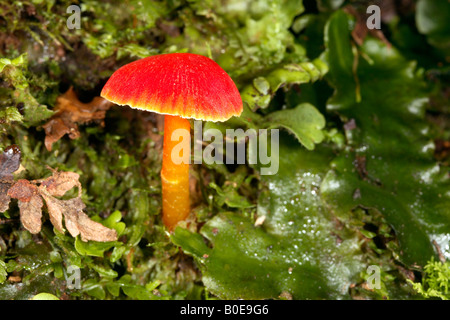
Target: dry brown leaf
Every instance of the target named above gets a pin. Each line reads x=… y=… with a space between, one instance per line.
x=30 y=204
x=55 y=129
x=71 y=210
x=70 y=112
x=61 y=182
x=23 y=190
x=4 y=197
x=87 y=228
x=31 y=214
x=76 y=221
x=54 y=211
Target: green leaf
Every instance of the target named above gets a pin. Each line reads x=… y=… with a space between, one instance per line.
x=3 y=273
x=389 y=164
x=10 y=114
x=432 y=19
x=94 y=289
x=230 y=197
x=289 y=74
x=104 y=271
x=191 y=243
x=339 y=55
x=45 y=296
x=292 y=253
x=136 y=292
x=257 y=95
x=13 y=71
x=304 y=121
x=436 y=280
x=93 y=248
x=113 y=221
x=260 y=92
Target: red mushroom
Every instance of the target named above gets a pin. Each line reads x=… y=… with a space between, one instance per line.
x=180 y=86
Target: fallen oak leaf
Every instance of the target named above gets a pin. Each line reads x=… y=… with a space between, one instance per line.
x=69 y=112
x=30 y=204
x=55 y=129
x=23 y=190
x=57 y=185
x=76 y=221
x=91 y=230
x=54 y=211
x=31 y=214
x=29 y=196
x=74 y=207
x=61 y=182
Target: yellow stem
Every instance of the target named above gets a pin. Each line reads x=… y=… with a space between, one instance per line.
x=175 y=176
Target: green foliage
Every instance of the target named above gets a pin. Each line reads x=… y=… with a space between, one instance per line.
x=14 y=73
x=290 y=252
x=105 y=39
x=432 y=21
x=10 y=114
x=304 y=121
x=389 y=133
x=45 y=296
x=368 y=91
x=257 y=34
x=99 y=290
x=3 y=273
x=436 y=280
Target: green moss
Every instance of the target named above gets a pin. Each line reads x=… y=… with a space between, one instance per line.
x=436 y=280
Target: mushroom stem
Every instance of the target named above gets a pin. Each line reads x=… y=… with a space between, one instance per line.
x=175 y=175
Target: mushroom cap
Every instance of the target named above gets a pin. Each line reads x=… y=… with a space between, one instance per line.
x=183 y=84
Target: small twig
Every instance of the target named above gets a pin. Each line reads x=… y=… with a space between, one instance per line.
x=439 y=251
x=6 y=221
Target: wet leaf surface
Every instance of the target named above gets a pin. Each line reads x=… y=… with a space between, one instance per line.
x=400 y=176
x=293 y=251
